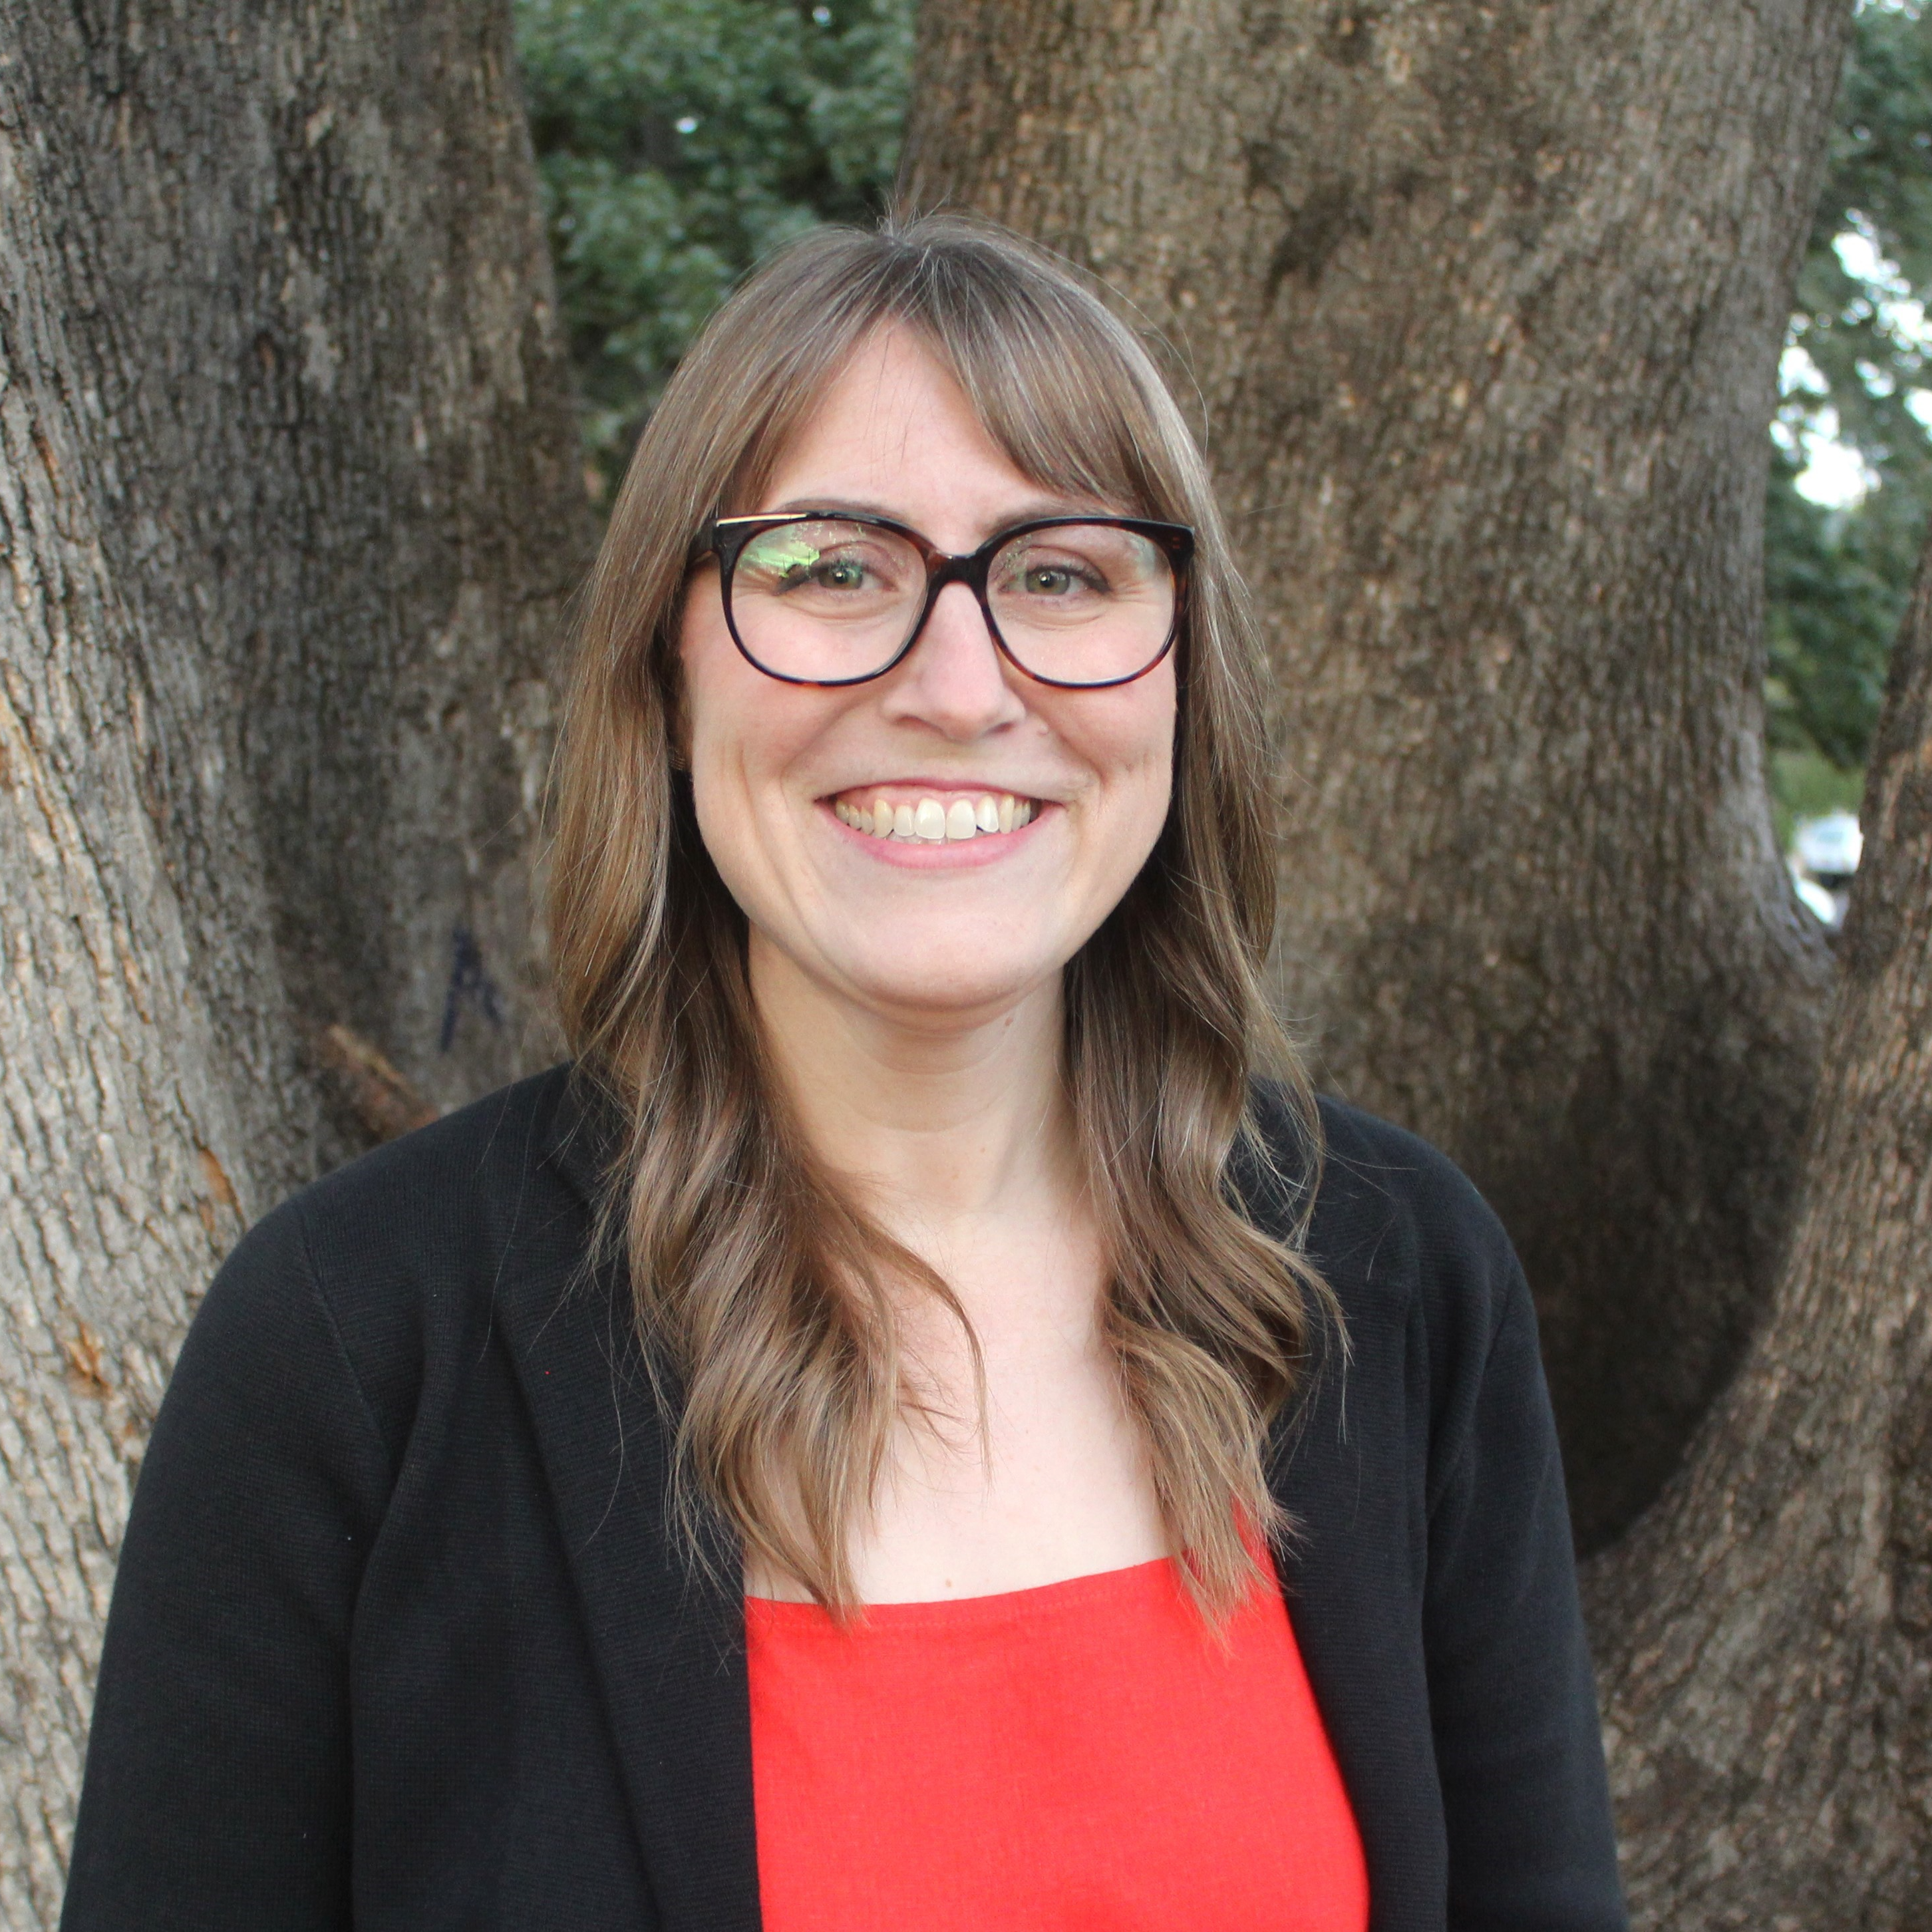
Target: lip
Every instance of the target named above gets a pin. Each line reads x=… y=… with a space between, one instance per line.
x=952 y=787
x=950 y=855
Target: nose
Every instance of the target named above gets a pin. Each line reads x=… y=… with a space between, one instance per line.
x=954 y=679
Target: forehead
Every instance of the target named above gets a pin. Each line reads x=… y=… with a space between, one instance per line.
x=893 y=429
x=891 y=403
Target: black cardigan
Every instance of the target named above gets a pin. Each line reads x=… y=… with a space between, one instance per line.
x=399 y=1640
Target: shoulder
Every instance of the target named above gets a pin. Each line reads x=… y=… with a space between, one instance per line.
x=1403 y=1237
x=1382 y=1185
x=462 y=1162
x=397 y=1257
x=467 y=1189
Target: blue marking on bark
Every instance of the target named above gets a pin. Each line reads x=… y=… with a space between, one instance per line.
x=469 y=986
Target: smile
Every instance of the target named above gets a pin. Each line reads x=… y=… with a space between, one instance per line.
x=927 y=819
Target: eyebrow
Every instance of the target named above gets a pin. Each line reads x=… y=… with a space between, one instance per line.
x=852 y=506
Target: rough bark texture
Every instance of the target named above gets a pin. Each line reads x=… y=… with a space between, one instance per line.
x=1768 y=1669
x=1483 y=305
x=288 y=507
x=120 y=1153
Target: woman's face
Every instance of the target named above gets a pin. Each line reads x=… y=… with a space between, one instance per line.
x=921 y=932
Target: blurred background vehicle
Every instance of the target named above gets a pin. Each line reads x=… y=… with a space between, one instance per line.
x=1823 y=857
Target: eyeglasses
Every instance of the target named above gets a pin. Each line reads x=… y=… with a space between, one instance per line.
x=823 y=599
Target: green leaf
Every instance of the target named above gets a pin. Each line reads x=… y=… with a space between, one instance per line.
x=1838 y=580
x=679 y=142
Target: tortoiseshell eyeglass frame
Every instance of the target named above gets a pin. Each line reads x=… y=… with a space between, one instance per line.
x=725 y=537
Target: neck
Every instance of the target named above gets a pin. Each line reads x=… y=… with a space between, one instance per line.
x=939 y=1120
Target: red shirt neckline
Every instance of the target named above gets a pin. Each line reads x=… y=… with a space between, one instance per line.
x=985 y=1608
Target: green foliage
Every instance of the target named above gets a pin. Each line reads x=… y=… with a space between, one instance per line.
x=1838 y=581
x=1839 y=578
x=678 y=143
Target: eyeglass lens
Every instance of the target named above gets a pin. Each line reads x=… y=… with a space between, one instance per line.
x=822 y=600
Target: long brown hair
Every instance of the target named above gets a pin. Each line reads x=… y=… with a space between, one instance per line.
x=763 y=1288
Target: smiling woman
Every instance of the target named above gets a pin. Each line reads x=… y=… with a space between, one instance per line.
x=821 y=590
x=858 y=490
x=865 y=1447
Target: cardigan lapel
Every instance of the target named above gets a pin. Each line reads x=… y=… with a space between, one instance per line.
x=667 y=1639
x=1358 y=1627
x=1361 y=1649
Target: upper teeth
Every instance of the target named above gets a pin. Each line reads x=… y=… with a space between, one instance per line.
x=934 y=822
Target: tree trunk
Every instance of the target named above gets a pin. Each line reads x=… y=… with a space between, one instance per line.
x=1483 y=307
x=1768 y=1675
x=288 y=497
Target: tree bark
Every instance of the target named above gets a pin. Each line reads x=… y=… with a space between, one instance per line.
x=1482 y=307
x=1768 y=1670
x=121 y=1149
x=288 y=502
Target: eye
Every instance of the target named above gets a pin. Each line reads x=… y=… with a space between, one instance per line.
x=829 y=568
x=1055 y=576
x=839 y=573
x=797 y=563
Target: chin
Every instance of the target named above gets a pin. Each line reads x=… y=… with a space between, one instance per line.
x=928 y=987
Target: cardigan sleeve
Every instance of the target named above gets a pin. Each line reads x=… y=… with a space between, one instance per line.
x=1513 y=1701
x=217 y=1795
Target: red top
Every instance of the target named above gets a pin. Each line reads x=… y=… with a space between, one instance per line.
x=1080 y=1756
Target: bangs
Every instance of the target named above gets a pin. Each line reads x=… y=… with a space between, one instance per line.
x=1060 y=387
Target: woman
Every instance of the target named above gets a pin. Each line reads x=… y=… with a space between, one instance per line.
x=908 y=1432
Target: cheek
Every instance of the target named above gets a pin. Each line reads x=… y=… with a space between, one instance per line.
x=712 y=697
x=746 y=737
x=734 y=722
x=1152 y=789
x=1130 y=744
x=722 y=737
